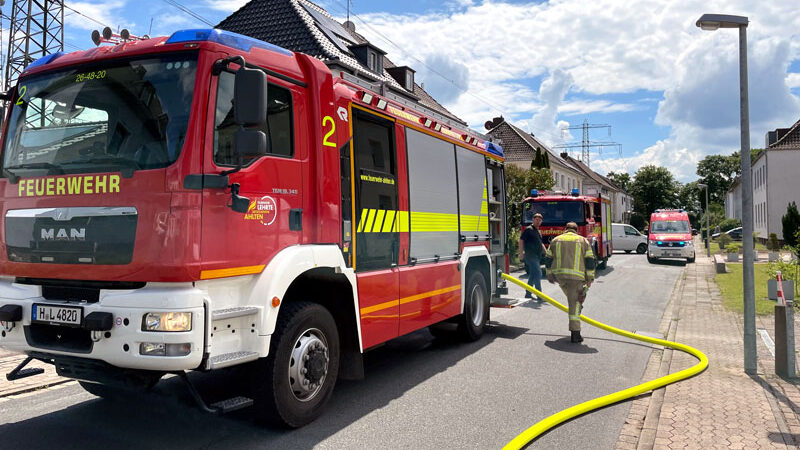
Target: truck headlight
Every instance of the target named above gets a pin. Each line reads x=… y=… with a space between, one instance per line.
x=689 y=243
x=167 y=321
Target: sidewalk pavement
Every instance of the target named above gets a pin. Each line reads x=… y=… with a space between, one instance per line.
x=723 y=407
x=9 y=360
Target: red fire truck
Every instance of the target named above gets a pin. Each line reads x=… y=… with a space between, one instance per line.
x=592 y=214
x=205 y=200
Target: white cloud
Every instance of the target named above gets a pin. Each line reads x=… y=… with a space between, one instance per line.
x=552 y=92
x=107 y=12
x=793 y=80
x=225 y=5
x=608 y=47
x=445 y=79
x=575 y=107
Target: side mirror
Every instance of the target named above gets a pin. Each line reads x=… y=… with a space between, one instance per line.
x=250 y=97
x=250 y=143
x=238 y=203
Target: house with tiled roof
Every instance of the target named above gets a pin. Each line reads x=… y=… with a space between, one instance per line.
x=303 y=26
x=775 y=182
x=520 y=147
x=621 y=201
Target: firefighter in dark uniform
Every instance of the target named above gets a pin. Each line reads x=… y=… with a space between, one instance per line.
x=570 y=261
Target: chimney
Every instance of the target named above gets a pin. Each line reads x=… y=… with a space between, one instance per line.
x=564 y=155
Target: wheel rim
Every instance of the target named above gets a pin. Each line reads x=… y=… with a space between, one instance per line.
x=476 y=305
x=308 y=365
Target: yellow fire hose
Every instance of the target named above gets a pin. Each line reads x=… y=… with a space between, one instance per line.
x=533 y=432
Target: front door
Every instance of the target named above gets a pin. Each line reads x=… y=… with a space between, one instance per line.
x=377 y=227
x=238 y=243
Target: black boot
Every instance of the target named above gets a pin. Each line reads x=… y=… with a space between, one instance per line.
x=576 y=336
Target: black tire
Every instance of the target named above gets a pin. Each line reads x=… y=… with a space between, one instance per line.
x=603 y=264
x=283 y=394
x=641 y=249
x=691 y=260
x=651 y=260
x=628 y=251
x=476 y=308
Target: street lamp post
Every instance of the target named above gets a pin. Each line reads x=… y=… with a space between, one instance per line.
x=713 y=22
x=708 y=227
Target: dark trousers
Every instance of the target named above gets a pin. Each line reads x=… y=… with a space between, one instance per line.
x=534 y=272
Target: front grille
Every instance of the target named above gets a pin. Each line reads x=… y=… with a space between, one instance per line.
x=84 y=236
x=54 y=337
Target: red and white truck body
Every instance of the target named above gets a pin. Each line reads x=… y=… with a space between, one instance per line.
x=134 y=187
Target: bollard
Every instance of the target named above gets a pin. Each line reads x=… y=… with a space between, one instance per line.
x=784 y=335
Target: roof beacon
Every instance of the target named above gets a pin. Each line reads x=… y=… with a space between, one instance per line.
x=108 y=37
x=575 y=192
x=534 y=193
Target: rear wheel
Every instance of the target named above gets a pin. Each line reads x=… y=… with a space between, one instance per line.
x=476 y=308
x=603 y=264
x=294 y=383
x=641 y=248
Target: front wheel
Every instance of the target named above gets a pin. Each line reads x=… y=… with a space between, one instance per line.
x=690 y=260
x=641 y=249
x=476 y=308
x=294 y=383
x=651 y=260
x=603 y=264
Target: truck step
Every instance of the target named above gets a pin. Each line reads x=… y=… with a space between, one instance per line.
x=231 y=359
x=229 y=313
x=24 y=373
x=231 y=404
x=507 y=302
x=20 y=372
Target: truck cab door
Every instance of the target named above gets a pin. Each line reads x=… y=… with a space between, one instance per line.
x=272 y=182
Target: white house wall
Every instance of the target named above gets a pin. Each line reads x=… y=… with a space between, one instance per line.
x=783 y=185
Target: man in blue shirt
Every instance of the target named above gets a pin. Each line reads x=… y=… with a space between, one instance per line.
x=530 y=242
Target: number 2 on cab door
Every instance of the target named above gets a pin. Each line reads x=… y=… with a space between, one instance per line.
x=328 y=120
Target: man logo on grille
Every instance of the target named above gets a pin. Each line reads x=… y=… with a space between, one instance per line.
x=62 y=234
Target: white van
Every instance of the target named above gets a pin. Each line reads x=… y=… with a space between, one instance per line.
x=628 y=238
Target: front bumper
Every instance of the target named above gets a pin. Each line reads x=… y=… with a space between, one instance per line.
x=654 y=251
x=118 y=346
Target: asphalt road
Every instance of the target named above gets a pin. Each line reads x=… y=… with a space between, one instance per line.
x=419 y=392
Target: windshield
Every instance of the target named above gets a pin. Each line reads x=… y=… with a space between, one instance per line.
x=121 y=115
x=670 y=226
x=554 y=213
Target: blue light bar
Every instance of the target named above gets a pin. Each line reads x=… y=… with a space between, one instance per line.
x=234 y=40
x=575 y=191
x=44 y=60
x=494 y=149
x=534 y=192
x=659 y=242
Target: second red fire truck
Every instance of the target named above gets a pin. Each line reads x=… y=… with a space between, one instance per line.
x=206 y=200
x=592 y=214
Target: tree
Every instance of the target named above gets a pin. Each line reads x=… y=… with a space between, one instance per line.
x=791 y=225
x=718 y=172
x=540 y=160
x=653 y=187
x=689 y=197
x=622 y=179
x=519 y=183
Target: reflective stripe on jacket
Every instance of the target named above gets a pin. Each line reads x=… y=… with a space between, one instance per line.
x=569 y=252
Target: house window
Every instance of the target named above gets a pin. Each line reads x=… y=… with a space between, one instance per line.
x=372 y=61
x=409 y=80
x=562 y=181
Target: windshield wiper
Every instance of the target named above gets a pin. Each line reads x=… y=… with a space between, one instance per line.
x=14 y=177
x=127 y=171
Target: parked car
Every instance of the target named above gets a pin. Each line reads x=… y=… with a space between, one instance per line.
x=735 y=234
x=628 y=238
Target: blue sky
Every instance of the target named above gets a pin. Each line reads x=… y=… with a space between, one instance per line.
x=668 y=90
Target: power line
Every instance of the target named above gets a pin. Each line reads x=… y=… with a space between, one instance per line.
x=84 y=15
x=188 y=11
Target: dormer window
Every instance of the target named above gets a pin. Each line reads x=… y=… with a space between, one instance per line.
x=370 y=56
x=404 y=75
